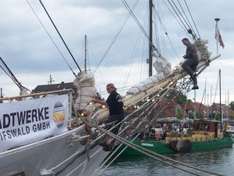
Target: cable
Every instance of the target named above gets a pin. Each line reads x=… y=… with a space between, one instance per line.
x=165 y=32
x=114 y=39
x=175 y=16
x=9 y=73
x=61 y=37
x=181 y=18
x=192 y=18
x=193 y=32
x=50 y=37
x=216 y=88
x=180 y=15
x=125 y=81
x=157 y=33
x=139 y=24
x=185 y=15
x=173 y=10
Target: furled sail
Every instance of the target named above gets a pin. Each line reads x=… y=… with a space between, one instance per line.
x=85 y=85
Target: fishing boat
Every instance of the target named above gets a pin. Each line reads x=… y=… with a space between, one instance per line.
x=58 y=132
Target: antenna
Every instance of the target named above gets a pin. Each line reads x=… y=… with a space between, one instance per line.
x=51 y=80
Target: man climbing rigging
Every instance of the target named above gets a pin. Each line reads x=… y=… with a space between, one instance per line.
x=191 y=61
x=116 y=112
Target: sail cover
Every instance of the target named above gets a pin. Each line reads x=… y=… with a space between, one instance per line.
x=163 y=69
x=28 y=121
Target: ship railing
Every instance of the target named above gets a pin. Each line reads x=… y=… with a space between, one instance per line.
x=37 y=95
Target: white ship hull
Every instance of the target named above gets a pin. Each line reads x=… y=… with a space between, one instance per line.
x=60 y=155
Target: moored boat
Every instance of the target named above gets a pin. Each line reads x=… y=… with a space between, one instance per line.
x=206 y=135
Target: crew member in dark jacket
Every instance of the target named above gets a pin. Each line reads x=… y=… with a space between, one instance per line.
x=116 y=112
x=191 y=61
x=115 y=104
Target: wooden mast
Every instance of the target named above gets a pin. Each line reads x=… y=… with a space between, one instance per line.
x=1 y=95
x=150 y=37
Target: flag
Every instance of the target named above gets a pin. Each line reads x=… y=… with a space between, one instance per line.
x=218 y=36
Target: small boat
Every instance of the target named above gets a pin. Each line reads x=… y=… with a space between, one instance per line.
x=203 y=135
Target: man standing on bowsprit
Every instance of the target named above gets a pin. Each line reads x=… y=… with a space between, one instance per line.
x=191 y=61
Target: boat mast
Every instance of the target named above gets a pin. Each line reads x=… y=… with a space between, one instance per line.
x=220 y=102
x=1 y=95
x=150 y=37
x=85 y=57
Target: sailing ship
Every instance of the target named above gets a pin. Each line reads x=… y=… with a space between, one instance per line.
x=205 y=134
x=51 y=133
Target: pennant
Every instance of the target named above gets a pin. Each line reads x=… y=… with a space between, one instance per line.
x=218 y=36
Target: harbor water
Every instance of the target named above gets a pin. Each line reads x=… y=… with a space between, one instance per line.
x=220 y=161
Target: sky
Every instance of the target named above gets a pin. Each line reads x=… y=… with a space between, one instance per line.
x=31 y=55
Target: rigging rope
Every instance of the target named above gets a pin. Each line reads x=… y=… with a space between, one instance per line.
x=186 y=4
x=6 y=71
x=50 y=37
x=166 y=32
x=10 y=74
x=61 y=37
x=216 y=88
x=114 y=39
x=139 y=25
x=180 y=17
x=175 y=16
x=184 y=15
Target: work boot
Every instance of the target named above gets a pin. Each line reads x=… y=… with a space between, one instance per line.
x=195 y=87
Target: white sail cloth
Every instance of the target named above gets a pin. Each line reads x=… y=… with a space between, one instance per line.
x=162 y=67
x=85 y=85
x=145 y=84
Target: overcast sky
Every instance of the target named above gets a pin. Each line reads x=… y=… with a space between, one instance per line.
x=28 y=51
